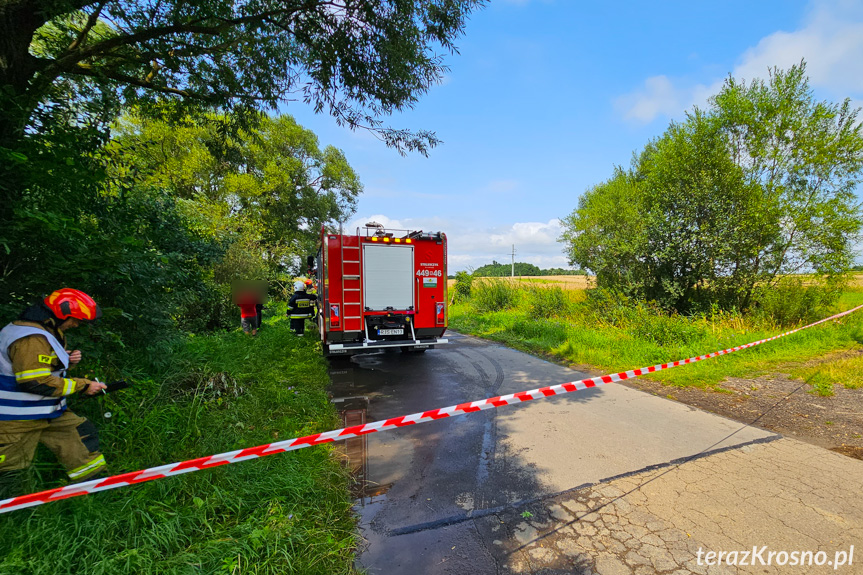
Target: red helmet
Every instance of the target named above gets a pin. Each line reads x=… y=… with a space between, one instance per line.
x=68 y=302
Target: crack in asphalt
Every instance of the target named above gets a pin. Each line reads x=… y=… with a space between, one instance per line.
x=480 y=513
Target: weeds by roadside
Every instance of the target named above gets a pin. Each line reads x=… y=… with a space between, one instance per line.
x=613 y=333
x=287 y=513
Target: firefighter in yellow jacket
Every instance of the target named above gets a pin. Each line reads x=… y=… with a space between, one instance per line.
x=34 y=388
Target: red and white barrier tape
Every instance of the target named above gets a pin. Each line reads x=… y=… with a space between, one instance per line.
x=152 y=473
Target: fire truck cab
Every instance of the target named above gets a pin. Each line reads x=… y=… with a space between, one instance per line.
x=381 y=288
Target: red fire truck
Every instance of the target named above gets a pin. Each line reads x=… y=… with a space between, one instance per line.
x=381 y=288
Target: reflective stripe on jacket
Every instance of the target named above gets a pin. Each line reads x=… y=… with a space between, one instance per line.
x=301 y=305
x=16 y=404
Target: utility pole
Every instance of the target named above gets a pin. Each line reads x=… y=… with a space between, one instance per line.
x=512 y=272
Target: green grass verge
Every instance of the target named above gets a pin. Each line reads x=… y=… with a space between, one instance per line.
x=614 y=339
x=287 y=513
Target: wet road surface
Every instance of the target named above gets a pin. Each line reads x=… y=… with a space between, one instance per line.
x=436 y=497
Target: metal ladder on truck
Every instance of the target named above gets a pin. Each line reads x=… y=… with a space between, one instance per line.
x=352 y=293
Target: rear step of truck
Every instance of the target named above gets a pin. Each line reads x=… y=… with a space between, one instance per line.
x=339 y=348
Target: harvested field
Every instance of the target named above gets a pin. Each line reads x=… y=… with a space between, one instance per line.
x=586 y=282
x=856 y=281
x=563 y=282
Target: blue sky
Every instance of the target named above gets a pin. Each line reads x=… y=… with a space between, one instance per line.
x=547 y=96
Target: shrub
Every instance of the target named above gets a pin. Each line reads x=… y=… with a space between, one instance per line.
x=609 y=306
x=495 y=295
x=665 y=330
x=790 y=302
x=548 y=302
x=642 y=320
x=463 y=284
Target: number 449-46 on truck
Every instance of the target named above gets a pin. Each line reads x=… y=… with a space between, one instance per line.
x=381 y=288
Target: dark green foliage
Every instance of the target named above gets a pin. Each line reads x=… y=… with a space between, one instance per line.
x=561 y=272
x=610 y=306
x=548 y=302
x=495 y=295
x=543 y=332
x=496 y=270
x=126 y=245
x=729 y=201
x=156 y=224
x=645 y=321
x=606 y=233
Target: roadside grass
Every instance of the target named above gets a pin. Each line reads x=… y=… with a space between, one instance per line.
x=609 y=335
x=287 y=513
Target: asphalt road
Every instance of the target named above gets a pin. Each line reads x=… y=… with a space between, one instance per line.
x=451 y=496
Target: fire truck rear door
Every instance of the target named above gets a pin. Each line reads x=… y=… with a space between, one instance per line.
x=388 y=277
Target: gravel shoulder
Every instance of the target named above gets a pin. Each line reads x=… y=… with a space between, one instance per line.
x=779 y=403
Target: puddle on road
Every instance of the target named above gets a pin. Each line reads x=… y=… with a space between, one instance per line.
x=375 y=461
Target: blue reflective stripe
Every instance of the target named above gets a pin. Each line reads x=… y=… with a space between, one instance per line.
x=52 y=415
x=8 y=383
x=48 y=401
x=45 y=406
x=15 y=403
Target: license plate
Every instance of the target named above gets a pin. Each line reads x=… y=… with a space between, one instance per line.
x=391 y=332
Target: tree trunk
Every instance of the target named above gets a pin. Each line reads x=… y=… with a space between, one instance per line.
x=19 y=19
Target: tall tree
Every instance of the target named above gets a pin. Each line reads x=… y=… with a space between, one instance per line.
x=758 y=186
x=806 y=157
x=704 y=222
x=269 y=185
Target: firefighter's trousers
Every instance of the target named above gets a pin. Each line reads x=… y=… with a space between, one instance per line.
x=73 y=439
x=298 y=325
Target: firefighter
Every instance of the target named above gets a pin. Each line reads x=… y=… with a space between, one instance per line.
x=301 y=307
x=34 y=388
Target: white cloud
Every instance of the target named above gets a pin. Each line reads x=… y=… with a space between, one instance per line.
x=830 y=40
x=470 y=246
x=831 y=43
x=528 y=235
x=658 y=97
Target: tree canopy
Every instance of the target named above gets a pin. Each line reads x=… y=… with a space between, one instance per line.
x=269 y=186
x=357 y=61
x=273 y=175
x=758 y=186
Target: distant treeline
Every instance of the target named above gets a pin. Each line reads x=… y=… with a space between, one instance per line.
x=496 y=269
